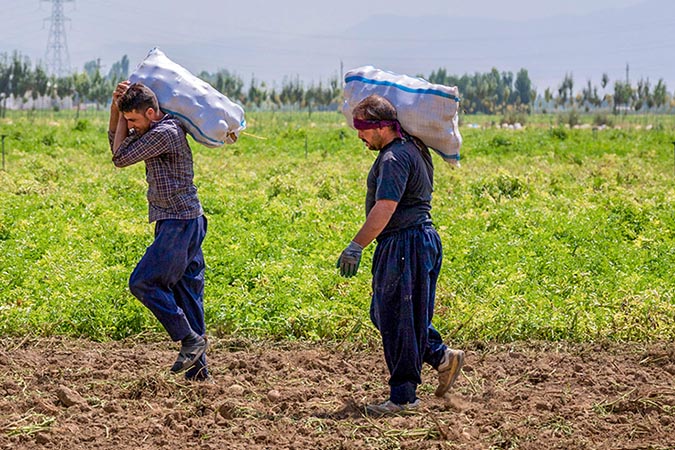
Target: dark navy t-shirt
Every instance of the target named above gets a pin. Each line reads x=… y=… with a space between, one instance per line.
x=401 y=174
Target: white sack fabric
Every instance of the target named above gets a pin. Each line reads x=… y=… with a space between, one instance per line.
x=211 y=118
x=425 y=110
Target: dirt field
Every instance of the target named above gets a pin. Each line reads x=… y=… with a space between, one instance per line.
x=71 y=394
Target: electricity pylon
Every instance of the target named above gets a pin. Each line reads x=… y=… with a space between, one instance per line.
x=56 y=56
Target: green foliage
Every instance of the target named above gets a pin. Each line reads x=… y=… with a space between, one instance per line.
x=501 y=141
x=558 y=133
x=515 y=115
x=503 y=186
x=548 y=233
x=602 y=119
x=489 y=92
x=571 y=118
x=81 y=125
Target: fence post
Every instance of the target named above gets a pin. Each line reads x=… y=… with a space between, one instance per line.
x=3 y=136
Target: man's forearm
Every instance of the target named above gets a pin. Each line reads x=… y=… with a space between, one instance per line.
x=115 y=114
x=121 y=133
x=377 y=219
x=114 y=118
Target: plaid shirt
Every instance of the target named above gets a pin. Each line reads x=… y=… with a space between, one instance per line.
x=168 y=169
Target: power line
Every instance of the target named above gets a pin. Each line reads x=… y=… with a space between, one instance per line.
x=57 y=58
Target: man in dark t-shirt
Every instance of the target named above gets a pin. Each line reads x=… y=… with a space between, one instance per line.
x=407 y=259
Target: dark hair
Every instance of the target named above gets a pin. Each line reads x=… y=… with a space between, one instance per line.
x=375 y=107
x=138 y=97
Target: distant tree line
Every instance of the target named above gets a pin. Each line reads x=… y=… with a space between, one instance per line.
x=291 y=93
x=497 y=93
x=21 y=82
x=490 y=93
x=493 y=92
x=623 y=97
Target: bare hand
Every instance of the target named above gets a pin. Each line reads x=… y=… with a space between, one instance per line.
x=120 y=90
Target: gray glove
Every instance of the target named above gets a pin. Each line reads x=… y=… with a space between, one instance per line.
x=349 y=260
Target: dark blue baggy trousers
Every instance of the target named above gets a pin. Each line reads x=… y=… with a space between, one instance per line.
x=169 y=280
x=406 y=265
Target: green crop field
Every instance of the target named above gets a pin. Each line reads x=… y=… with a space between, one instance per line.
x=549 y=232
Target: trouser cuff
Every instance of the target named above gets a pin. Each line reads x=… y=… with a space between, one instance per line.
x=404 y=393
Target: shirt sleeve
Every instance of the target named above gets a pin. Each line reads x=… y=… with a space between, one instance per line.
x=393 y=177
x=133 y=150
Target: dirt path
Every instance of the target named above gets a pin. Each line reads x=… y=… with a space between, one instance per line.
x=73 y=394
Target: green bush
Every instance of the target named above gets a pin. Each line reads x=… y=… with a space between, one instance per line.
x=571 y=118
x=603 y=119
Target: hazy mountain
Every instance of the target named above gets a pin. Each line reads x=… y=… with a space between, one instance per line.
x=586 y=46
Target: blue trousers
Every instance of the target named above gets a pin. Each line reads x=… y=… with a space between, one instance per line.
x=169 y=280
x=405 y=269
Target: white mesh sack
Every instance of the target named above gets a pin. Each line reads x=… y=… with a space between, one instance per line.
x=210 y=117
x=425 y=110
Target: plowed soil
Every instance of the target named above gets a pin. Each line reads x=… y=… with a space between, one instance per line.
x=60 y=393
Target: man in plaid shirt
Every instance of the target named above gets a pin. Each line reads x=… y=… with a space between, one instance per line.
x=169 y=278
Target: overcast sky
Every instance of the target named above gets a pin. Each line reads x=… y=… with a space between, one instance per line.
x=261 y=38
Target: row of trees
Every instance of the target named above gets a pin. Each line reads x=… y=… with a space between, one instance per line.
x=18 y=80
x=291 y=93
x=490 y=93
x=493 y=92
x=623 y=96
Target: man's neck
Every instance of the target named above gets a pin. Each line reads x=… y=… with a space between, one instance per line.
x=388 y=136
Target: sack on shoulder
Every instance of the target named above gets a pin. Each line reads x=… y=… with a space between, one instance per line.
x=210 y=117
x=425 y=110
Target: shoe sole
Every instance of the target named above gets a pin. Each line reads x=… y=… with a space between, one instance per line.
x=442 y=390
x=378 y=411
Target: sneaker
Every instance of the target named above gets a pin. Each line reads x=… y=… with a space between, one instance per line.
x=189 y=355
x=448 y=370
x=390 y=408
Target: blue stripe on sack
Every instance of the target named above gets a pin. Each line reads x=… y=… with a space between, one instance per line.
x=181 y=116
x=444 y=156
x=401 y=87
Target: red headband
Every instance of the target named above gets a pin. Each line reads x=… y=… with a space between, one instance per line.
x=371 y=124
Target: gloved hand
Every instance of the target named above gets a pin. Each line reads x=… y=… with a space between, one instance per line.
x=349 y=260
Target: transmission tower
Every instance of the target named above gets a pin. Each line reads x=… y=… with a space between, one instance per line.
x=56 y=56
